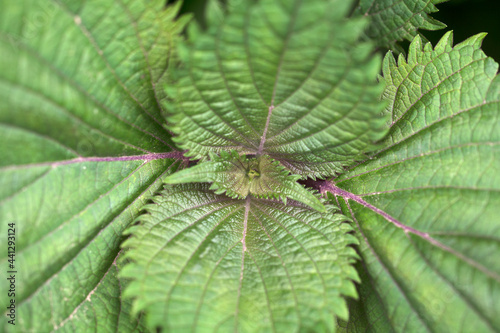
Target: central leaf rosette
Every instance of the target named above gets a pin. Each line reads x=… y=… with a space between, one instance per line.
x=238 y=176
x=271 y=92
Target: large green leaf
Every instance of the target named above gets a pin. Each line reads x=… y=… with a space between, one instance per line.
x=82 y=149
x=426 y=207
x=289 y=79
x=392 y=21
x=205 y=262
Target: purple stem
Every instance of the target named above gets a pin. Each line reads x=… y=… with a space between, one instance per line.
x=145 y=157
x=326 y=186
x=264 y=134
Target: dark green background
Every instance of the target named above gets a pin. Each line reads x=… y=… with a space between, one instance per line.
x=467 y=18
x=464 y=17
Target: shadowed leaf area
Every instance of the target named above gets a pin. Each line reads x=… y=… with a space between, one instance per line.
x=393 y=21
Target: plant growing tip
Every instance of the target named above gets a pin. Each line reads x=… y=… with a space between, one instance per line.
x=239 y=176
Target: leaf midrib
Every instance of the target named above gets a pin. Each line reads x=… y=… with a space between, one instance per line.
x=326 y=186
x=223 y=75
x=147 y=157
x=388 y=272
x=196 y=250
x=243 y=252
x=288 y=36
x=470 y=302
x=88 y=297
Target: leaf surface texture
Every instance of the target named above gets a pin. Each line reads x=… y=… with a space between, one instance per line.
x=396 y=20
x=289 y=79
x=206 y=262
x=438 y=177
x=82 y=148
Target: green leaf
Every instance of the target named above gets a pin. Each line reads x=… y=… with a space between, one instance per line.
x=103 y=309
x=366 y=314
x=83 y=148
x=426 y=206
x=207 y=262
x=69 y=220
x=392 y=21
x=239 y=176
x=288 y=79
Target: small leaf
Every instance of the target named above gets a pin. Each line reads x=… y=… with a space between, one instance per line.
x=393 y=21
x=208 y=262
x=288 y=79
x=239 y=176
